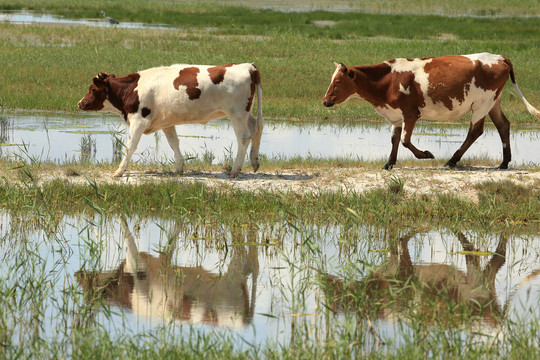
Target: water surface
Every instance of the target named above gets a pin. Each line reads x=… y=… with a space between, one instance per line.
x=62 y=137
x=254 y=284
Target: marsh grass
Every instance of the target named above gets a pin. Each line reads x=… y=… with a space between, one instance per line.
x=500 y=205
x=289 y=44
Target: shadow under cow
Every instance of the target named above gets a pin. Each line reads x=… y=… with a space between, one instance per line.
x=153 y=287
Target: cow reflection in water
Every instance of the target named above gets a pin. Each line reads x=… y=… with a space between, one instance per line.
x=153 y=287
x=436 y=293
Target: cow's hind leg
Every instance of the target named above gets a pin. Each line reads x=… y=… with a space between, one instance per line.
x=136 y=130
x=172 y=138
x=396 y=136
x=475 y=130
x=503 y=127
x=243 y=137
x=255 y=128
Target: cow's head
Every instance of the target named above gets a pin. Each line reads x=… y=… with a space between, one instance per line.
x=342 y=86
x=96 y=98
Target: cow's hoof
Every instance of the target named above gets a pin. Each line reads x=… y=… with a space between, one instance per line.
x=388 y=167
x=429 y=155
x=451 y=165
x=503 y=166
x=117 y=174
x=234 y=174
x=255 y=167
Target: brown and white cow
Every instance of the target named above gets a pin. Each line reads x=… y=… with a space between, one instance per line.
x=437 y=88
x=162 y=97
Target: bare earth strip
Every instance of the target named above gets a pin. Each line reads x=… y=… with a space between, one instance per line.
x=429 y=181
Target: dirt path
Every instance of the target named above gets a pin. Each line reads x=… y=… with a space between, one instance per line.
x=415 y=180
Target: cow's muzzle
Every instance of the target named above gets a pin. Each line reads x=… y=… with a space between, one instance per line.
x=328 y=103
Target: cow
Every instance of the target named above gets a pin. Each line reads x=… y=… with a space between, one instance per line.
x=162 y=97
x=438 y=88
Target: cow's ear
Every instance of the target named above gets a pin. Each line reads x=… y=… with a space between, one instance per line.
x=98 y=82
x=102 y=76
x=112 y=75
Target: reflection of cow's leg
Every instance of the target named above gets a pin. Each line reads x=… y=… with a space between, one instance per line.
x=243 y=137
x=471 y=261
x=133 y=260
x=172 y=138
x=497 y=260
x=136 y=129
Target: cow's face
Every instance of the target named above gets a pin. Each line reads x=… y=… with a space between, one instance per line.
x=342 y=86
x=96 y=98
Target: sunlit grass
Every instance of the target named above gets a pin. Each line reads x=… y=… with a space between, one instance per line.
x=50 y=67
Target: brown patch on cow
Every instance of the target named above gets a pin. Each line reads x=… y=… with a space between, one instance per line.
x=442 y=76
x=217 y=73
x=255 y=80
x=145 y=111
x=188 y=78
x=492 y=77
x=414 y=98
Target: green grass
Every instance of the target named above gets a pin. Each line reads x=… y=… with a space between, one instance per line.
x=50 y=67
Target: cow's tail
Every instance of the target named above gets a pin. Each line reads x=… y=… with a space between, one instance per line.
x=530 y=108
x=259 y=123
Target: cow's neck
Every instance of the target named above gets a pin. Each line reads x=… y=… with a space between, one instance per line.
x=122 y=94
x=371 y=84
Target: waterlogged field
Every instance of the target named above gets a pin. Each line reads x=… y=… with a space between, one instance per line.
x=341 y=260
x=355 y=289
x=82 y=138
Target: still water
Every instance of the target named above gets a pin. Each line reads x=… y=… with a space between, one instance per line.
x=28 y=17
x=254 y=284
x=64 y=138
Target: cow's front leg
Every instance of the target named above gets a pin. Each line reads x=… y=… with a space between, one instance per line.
x=396 y=136
x=172 y=138
x=406 y=139
x=136 y=129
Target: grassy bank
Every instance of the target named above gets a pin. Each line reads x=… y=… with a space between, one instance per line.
x=500 y=205
x=50 y=67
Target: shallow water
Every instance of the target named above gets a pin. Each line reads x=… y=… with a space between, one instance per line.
x=28 y=17
x=61 y=137
x=254 y=285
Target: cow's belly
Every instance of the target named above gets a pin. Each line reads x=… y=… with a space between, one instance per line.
x=165 y=120
x=439 y=111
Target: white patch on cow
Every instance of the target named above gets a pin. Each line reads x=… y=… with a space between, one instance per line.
x=416 y=66
x=332 y=80
x=478 y=100
x=401 y=65
x=403 y=134
x=405 y=91
x=485 y=58
x=393 y=115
